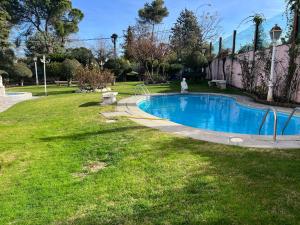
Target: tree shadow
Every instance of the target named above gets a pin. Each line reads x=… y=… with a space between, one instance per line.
x=81 y=136
x=89 y=104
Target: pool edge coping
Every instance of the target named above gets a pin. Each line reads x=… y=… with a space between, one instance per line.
x=130 y=105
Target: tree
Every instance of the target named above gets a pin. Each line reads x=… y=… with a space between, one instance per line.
x=21 y=71
x=258 y=42
x=70 y=67
x=35 y=44
x=7 y=57
x=120 y=67
x=210 y=26
x=9 y=16
x=294 y=7
x=83 y=55
x=148 y=52
x=48 y=16
x=4 y=28
x=186 y=34
x=128 y=39
x=153 y=13
x=68 y=24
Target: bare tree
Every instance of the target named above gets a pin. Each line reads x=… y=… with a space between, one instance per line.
x=148 y=50
x=210 y=26
x=103 y=50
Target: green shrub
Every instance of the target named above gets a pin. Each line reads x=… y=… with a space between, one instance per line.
x=55 y=70
x=69 y=67
x=21 y=71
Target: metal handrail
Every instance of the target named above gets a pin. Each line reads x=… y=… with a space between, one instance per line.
x=275 y=122
x=142 y=88
x=289 y=119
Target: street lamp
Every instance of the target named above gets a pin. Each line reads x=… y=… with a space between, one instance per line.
x=36 y=73
x=44 y=61
x=114 y=38
x=275 y=35
x=203 y=5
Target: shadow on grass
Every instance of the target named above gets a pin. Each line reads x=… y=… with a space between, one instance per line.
x=49 y=93
x=90 y=104
x=80 y=136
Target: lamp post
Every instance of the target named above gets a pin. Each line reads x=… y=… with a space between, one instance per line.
x=44 y=61
x=36 y=73
x=275 y=35
x=203 y=5
x=114 y=38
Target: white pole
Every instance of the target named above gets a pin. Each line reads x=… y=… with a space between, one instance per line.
x=45 y=79
x=36 y=74
x=271 y=80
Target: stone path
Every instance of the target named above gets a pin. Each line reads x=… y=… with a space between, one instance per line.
x=8 y=101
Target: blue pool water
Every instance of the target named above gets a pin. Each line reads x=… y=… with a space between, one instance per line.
x=217 y=113
x=14 y=93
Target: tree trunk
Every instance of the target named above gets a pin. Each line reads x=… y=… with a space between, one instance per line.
x=22 y=82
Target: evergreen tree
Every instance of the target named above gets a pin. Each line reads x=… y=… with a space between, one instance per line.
x=153 y=13
x=186 y=34
x=128 y=40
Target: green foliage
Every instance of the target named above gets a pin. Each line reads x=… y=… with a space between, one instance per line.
x=186 y=34
x=68 y=24
x=7 y=57
x=56 y=18
x=69 y=67
x=127 y=45
x=196 y=60
x=153 y=13
x=4 y=28
x=36 y=44
x=120 y=67
x=82 y=55
x=245 y=48
x=55 y=70
x=20 y=71
x=59 y=57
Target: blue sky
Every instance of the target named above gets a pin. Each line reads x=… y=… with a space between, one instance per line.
x=102 y=17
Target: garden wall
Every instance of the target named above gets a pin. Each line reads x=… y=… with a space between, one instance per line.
x=233 y=69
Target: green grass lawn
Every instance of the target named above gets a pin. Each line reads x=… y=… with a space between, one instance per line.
x=61 y=163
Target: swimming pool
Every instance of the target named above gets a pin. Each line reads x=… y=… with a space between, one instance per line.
x=216 y=113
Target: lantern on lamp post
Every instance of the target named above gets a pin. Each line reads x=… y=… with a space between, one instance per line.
x=275 y=34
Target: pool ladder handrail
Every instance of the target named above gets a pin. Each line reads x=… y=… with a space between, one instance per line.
x=275 y=122
x=142 y=88
x=289 y=119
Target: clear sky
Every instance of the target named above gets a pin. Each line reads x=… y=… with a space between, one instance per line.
x=104 y=17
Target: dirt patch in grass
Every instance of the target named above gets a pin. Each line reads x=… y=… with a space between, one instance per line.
x=94 y=167
x=90 y=168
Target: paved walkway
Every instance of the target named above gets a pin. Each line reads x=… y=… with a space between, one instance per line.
x=8 y=101
x=129 y=105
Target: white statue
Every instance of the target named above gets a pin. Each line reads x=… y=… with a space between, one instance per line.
x=2 y=88
x=184 y=86
x=1 y=82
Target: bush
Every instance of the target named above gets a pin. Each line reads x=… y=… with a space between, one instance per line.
x=21 y=71
x=69 y=67
x=82 y=55
x=93 y=78
x=55 y=70
x=58 y=57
